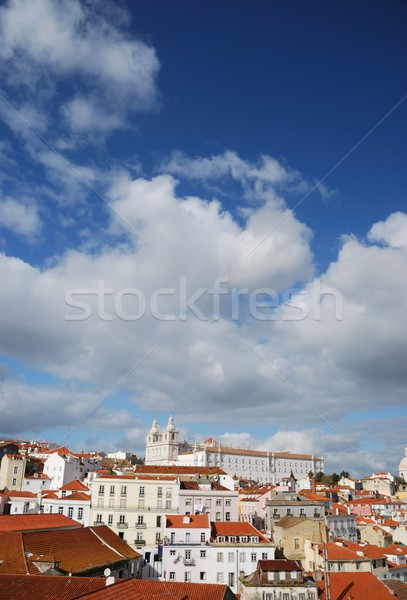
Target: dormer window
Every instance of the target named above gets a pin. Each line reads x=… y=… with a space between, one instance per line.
x=221 y=539
x=254 y=539
x=232 y=538
x=243 y=539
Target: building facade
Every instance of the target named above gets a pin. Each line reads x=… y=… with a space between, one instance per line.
x=163 y=448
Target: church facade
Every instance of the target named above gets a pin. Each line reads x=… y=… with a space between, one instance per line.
x=163 y=448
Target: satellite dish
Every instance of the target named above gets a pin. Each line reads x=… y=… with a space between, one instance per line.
x=107 y=572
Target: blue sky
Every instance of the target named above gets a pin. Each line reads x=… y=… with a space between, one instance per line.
x=153 y=146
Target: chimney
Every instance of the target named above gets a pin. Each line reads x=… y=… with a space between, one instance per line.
x=314 y=484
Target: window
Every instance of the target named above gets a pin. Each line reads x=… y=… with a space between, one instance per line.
x=231 y=579
x=243 y=539
x=158 y=538
x=227 y=502
x=168 y=504
x=218 y=502
x=168 y=493
x=70 y=512
x=286 y=596
x=159 y=492
x=172 y=575
x=187 y=576
x=254 y=539
x=340 y=566
x=110 y=520
x=188 y=502
x=111 y=490
x=227 y=516
x=101 y=490
x=219 y=577
x=158 y=521
x=122 y=519
x=218 y=516
x=219 y=557
x=14 y=482
x=141 y=503
x=80 y=512
x=264 y=556
x=98 y=518
x=203 y=537
x=289 y=512
x=15 y=470
x=202 y=576
x=254 y=557
x=242 y=557
x=50 y=508
x=123 y=490
x=140 y=520
x=203 y=553
x=139 y=537
x=358 y=566
x=231 y=557
x=172 y=552
x=141 y=491
x=187 y=554
x=296 y=543
x=301 y=596
x=187 y=538
x=61 y=510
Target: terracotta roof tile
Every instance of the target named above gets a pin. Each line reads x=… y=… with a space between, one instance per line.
x=162 y=590
x=361 y=586
x=194 y=521
x=75 y=485
x=38 y=587
x=36 y=522
x=237 y=529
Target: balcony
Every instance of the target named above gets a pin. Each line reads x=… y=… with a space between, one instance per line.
x=98 y=523
x=122 y=525
x=141 y=526
x=189 y=562
x=140 y=542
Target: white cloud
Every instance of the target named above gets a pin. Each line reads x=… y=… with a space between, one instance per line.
x=22 y=219
x=67 y=41
x=207 y=371
x=264 y=179
x=392 y=231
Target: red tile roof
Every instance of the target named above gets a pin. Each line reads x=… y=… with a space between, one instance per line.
x=175 y=469
x=18 y=494
x=194 y=521
x=137 y=589
x=358 y=586
x=75 y=485
x=38 y=522
x=280 y=565
x=38 y=587
x=78 y=551
x=237 y=529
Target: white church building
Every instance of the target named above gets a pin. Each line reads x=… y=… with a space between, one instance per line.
x=163 y=448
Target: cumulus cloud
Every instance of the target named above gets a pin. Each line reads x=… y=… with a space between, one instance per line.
x=341 y=354
x=69 y=42
x=22 y=219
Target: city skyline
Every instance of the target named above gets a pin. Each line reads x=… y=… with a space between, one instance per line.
x=203 y=213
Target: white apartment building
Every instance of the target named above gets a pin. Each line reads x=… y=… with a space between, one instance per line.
x=197 y=551
x=76 y=506
x=208 y=497
x=133 y=507
x=62 y=466
x=163 y=448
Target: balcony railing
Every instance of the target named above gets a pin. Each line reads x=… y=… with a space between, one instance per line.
x=189 y=561
x=98 y=522
x=122 y=525
x=140 y=542
x=141 y=526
